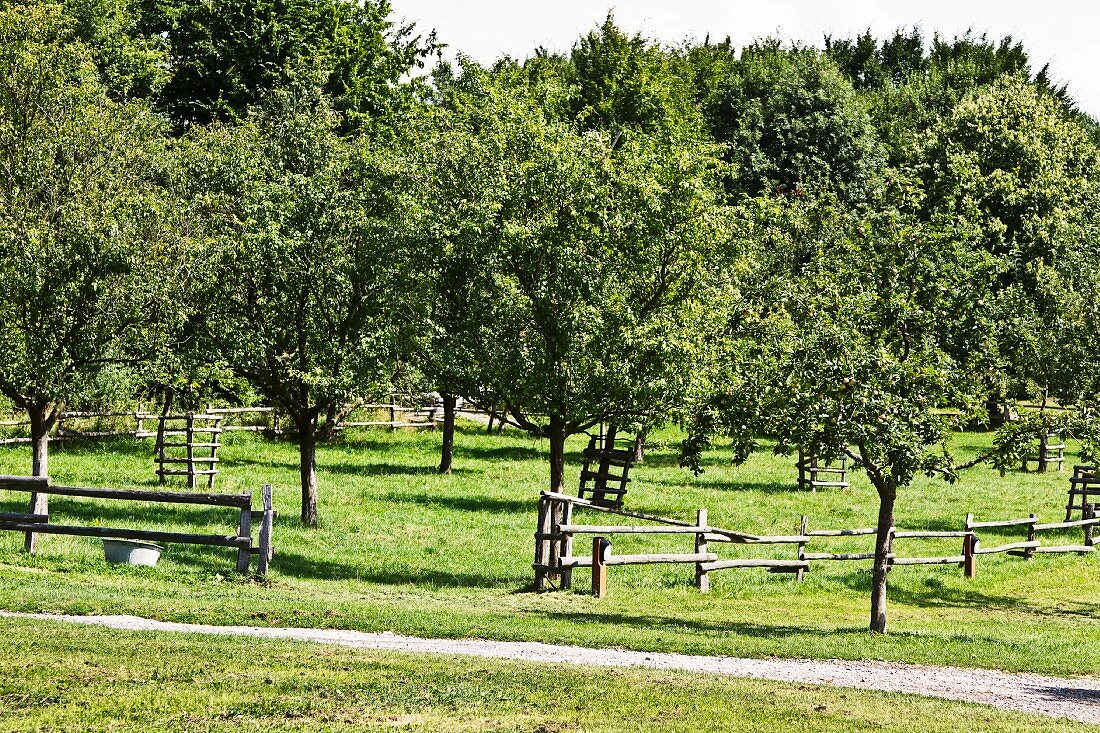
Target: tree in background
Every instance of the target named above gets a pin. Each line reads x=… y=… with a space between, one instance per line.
x=852 y=336
x=621 y=83
x=605 y=259
x=89 y=257
x=225 y=56
x=453 y=185
x=793 y=123
x=911 y=82
x=305 y=289
x=1013 y=164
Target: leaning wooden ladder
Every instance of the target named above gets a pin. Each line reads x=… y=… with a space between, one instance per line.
x=198 y=433
x=810 y=468
x=1084 y=491
x=606 y=471
x=1051 y=449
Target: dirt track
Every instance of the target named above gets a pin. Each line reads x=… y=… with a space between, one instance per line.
x=1075 y=699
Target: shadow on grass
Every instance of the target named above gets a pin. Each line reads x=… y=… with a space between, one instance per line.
x=936 y=594
x=505 y=453
x=64 y=509
x=467 y=503
x=299 y=566
x=776 y=487
x=354 y=469
x=723 y=627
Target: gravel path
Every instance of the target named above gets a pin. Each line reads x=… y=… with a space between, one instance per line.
x=1076 y=699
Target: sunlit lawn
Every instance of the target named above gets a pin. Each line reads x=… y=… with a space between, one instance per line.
x=404 y=549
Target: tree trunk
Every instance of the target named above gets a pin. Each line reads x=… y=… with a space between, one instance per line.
x=557 y=456
x=307 y=451
x=42 y=419
x=449 y=402
x=996 y=412
x=883 y=546
x=328 y=429
x=169 y=400
x=639 y=446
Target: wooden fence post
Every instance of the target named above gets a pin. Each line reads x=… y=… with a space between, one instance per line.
x=267 y=550
x=599 y=567
x=244 y=531
x=970 y=542
x=1028 y=552
x=190 y=450
x=393 y=412
x=1088 y=513
x=702 y=580
x=542 y=542
x=803 y=527
x=566 y=544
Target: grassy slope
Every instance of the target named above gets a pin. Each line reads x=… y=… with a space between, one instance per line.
x=55 y=677
x=410 y=551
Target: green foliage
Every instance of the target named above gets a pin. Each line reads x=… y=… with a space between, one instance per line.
x=604 y=260
x=305 y=287
x=622 y=83
x=89 y=248
x=1009 y=159
x=1023 y=173
x=793 y=123
x=858 y=332
x=132 y=63
x=302 y=287
x=226 y=55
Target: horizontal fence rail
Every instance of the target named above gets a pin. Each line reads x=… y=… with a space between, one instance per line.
x=34 y=524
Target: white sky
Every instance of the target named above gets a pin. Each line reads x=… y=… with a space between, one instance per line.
x=1062 y=32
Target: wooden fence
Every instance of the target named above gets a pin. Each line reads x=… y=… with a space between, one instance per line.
x=32 y=524
x=65 y=429
x=556 y=529
x=399 y=416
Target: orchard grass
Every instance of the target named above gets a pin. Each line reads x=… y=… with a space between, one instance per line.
x=58 y=677
x=403 y=549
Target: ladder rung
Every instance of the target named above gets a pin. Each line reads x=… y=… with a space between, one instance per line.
x=196 y=459
x=193 y=445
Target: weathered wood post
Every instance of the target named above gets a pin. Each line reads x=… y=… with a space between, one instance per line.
x=970 y=544
x=1030 y=551
x=190 y=450
x=702 y=580
x=566 y=543
x=600 y=546
x=393 y=412
x=803 y=527
x=542 y=542
x=267 y=550
x=160 y=449
x=244 y=531
x=1088 y=513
